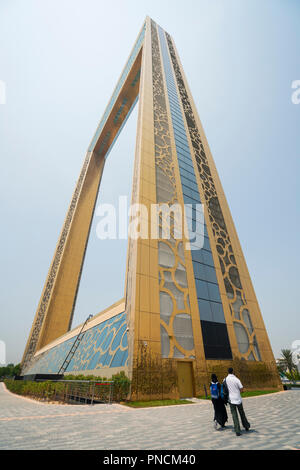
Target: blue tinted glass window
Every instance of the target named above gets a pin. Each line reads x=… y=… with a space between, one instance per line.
x=188 y=200
x=199 y=270
x=217 y=312
x=197 y=255
x=213 y=290
x=205 y=310
x=210 y=274
x=207 y=258
x=206 y=245
x=202 y=290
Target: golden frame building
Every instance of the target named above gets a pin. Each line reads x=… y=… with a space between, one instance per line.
x=186 y=312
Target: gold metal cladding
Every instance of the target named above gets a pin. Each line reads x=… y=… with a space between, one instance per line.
x=245 y=331
x=199 y=355
x=56 y=306
x=159 y=286
x=175 y=312
x=122 y=106
x=55 y=311
x=133 y=276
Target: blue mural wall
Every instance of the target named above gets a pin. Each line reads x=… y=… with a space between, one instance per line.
x=104 y=345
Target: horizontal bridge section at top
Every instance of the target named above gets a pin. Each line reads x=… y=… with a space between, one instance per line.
x=120 y=105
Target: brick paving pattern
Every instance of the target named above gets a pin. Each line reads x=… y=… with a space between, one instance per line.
x=27 y=424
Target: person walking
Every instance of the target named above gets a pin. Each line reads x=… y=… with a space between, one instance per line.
x=235 y=400
x=220 y=416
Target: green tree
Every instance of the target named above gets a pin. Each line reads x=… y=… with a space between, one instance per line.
x=10 y=370
x=286 y=363
x=17 y=369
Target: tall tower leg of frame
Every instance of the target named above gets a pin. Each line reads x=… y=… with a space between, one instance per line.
x=247 y=334
x=55 y=310
x=159 y=270
x=191 y=312
x=141 y=286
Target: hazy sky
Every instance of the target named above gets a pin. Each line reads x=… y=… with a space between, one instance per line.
x=60 y=60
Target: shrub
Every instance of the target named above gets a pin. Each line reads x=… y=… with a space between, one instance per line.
x=121 y=386
x=49 y=390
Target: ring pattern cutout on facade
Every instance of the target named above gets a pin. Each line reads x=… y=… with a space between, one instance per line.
x=243 y=328
x=175 y=316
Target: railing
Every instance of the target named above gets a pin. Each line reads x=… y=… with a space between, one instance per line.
x=72 y=391
x=80 y=391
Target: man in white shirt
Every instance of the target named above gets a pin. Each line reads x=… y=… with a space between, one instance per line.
x=235 y=400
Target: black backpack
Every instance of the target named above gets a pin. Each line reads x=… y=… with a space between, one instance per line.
x=224 y=392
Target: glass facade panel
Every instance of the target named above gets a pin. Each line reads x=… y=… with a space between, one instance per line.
x=203 y=265
x=202 y=289
x=205 y=311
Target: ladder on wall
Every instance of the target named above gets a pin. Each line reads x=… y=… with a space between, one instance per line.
x=74 y=347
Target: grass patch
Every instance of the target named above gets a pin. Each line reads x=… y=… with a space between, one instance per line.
x=249 y=393
x=148 y=404
x=255 y=393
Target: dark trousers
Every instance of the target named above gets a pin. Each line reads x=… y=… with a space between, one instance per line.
x=233 y=409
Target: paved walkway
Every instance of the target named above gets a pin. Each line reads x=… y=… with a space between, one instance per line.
x=26 y=424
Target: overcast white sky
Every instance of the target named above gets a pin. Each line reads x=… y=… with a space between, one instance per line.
x=60 y=61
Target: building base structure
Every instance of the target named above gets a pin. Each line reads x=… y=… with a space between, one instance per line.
x=189 y=308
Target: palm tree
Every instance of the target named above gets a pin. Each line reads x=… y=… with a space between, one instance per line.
x=286 y=362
